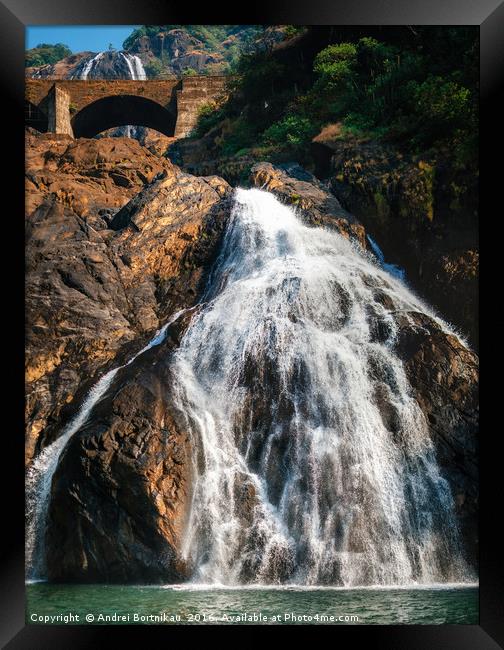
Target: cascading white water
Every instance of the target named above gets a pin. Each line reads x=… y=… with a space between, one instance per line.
x=393 y=269
x=40 y=473
x=139 y=68
x=135 y=66
x=313 y=464
x=136 y=70
x=90 y=65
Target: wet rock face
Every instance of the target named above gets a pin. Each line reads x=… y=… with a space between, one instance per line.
x=93 y=292
x=121 y=491
x=297 y=187
x=412 y=207
x=444 y=376
x=111 y=65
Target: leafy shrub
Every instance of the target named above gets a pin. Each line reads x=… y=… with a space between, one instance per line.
x=336 y=62
x=209 y=115
x=292 y=129
x=441 y=101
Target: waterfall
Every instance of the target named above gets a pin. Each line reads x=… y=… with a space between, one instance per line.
x=393 y=269
x=140 y=73
x=135 y=66
x=84 y=73
x=313 y=463
x=40 y=473
x=135 y=71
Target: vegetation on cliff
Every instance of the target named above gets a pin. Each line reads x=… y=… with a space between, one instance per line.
x=45 y=53
x=418 y=90
x=389 y=118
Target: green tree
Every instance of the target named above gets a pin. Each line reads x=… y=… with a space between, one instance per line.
x=336 y=64
x=45 y=53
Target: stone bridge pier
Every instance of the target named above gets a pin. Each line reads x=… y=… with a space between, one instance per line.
x=82 y=108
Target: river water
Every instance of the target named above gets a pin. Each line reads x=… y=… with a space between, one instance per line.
x=187 y=605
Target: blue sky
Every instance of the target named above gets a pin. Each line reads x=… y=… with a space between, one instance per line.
x=94 y=38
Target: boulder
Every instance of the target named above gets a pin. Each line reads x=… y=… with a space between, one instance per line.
x=313 y=202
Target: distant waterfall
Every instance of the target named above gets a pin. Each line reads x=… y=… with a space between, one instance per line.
x=89 y=65
x=40 y=473
x=313 y=464
x=137 y=72
x=125 y=65
x=135 y=66
x=132 y=70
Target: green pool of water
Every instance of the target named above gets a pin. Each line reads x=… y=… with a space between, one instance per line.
x=186 y=605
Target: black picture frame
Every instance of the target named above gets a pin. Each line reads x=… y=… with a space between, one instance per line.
x=15 y=15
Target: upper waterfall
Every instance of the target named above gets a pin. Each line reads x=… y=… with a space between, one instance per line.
x=111 y=65
x=114 y=65
x=313 y=463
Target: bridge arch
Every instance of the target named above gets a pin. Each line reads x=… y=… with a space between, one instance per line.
x=120 y=110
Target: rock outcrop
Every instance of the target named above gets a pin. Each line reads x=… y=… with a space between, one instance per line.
x=412 y=207
x=122 y=487
x=87 y=176
x=296 y=187
x=63 y=69
x=93 y=290
x=443 y=374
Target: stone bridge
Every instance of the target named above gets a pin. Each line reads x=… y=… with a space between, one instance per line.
x=85 y=108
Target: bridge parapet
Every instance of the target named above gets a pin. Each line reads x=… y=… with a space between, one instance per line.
x=83 y=92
